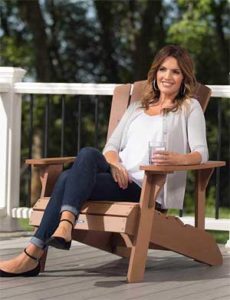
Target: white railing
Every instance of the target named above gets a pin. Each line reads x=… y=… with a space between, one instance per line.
x=11 y=90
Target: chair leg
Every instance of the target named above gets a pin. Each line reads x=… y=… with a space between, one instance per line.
x=151 y=187
x=139 y=251
x=43 y=257
x=43 y=260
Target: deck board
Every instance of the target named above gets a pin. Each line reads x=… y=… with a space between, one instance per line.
x=88 y=273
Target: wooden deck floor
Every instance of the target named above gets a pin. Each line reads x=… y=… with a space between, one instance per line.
x=87 y=273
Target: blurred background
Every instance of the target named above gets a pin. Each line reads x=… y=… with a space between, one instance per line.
x=113 y=42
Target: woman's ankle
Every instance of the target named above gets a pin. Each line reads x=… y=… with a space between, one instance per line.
x=34 y=250
x=68 y=217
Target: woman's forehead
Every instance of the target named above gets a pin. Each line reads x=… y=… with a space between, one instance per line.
x=170 y=62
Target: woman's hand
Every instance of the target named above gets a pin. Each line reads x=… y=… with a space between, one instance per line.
x=120 y=174
x=174 y=158
x=118 y=171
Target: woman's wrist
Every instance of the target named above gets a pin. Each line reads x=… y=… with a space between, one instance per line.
x=192 y=158
x=112 y=158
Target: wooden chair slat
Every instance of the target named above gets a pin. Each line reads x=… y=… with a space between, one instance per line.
x=122 y=209
x=97 y=222
x=138 y=90
x=120 y=103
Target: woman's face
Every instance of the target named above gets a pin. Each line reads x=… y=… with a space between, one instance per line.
x=169 y=77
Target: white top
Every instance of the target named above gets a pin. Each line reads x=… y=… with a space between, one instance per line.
x=184 y=131
x=144 y=128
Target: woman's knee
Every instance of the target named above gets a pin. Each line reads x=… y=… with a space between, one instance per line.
x=57 y=193
x=90 y=158
x=62 y=179
x=88 y=152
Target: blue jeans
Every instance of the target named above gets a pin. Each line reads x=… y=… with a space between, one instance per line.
x=89 y=178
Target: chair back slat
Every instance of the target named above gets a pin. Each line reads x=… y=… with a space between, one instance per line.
x=120 y=102
x=202 y=93
x=138 y=90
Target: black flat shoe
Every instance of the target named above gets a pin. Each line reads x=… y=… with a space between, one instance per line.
x=59 y=242
x=30 y=273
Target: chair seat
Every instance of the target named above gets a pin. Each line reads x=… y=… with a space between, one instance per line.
x=105 y=216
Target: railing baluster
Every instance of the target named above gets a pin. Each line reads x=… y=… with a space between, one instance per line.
x=79 y=125
x=62 y=124
x=31 y=122
x=96 y=118
x=219 y=140
x=46 y=126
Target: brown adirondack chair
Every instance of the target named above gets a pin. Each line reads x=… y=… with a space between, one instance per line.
x=129 y=229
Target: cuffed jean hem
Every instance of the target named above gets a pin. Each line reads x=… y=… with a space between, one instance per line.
x=70 y=208
x=37 y=242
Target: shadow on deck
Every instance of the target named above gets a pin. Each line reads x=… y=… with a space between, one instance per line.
x=87 y=273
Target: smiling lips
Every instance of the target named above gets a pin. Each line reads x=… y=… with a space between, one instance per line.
x=166 y=83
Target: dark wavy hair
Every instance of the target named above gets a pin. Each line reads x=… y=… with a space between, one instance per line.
x=151 y=92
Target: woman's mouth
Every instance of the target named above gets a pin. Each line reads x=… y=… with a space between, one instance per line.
x=166 y=83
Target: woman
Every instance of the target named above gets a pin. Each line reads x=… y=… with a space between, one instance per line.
x=165 y=113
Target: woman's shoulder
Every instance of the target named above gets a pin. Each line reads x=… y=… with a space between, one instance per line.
x=192 y=103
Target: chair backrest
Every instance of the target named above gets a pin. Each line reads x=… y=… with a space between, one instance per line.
x=127 y=93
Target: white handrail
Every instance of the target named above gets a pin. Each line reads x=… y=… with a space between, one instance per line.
x=64 y=88
x=222 y=91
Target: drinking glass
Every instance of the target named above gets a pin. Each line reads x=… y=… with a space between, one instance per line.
x=155 y=146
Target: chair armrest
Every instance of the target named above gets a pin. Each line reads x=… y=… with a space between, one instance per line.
x=50 y=161
x=169 y=169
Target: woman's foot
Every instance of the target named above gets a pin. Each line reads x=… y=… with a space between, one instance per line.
x=25 y=264
x=64 y=230
x=62 y=236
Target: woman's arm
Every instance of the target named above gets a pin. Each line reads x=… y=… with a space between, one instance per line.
x=196 y=130
x=115 y=141
x=173 y=158
x=118 y=171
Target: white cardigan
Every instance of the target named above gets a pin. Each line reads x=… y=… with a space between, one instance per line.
x=184 y=131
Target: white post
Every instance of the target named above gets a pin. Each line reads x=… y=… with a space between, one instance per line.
x=227 y=245
x=10 y=136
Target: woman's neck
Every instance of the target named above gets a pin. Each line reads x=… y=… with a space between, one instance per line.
x=165 y=98
x=166 y=101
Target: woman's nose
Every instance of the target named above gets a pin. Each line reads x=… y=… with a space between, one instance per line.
x=168 y=74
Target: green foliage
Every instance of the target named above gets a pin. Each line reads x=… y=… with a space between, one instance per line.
x=13 y=54
x=198 y=29
x=221 y=237
x=24 y=224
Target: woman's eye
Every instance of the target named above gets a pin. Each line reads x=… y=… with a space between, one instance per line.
x=162 y=69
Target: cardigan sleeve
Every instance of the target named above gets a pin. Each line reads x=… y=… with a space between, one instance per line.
x=115 y=140
x=197 y=131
